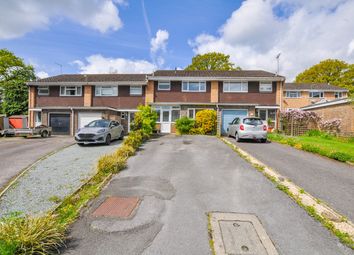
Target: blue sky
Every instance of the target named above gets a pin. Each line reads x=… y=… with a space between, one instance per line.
x=252 y=32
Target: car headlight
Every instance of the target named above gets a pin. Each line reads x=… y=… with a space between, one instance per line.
x=101 y=131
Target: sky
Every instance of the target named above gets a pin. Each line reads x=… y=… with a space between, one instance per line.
x=140 y=36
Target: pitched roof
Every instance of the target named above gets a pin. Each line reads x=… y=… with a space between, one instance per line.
x=94 y=78
x=212 y=73
x=312 y=86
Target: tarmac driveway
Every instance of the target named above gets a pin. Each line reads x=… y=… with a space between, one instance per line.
x=16 y=153
x=178 y=181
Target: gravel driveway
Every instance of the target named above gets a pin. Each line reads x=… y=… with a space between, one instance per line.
x=53 y=178
x=179 y=180
x=326 y=179
x=16 y=153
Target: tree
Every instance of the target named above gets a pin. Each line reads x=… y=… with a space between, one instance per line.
x=14 y=74
x=212 y=61
x=332 y=71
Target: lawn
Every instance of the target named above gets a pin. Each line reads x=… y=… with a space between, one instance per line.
x=337 y=148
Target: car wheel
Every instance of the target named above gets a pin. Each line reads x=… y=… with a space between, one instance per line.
x=44 y=134
x=108 y=139
x=237 y=138
x=80 y=144
x=121 y=135
x=264 y=140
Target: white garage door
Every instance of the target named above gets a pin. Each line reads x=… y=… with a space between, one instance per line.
x=86 y=117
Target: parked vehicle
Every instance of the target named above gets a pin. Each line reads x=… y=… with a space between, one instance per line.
x=248 y=128
x=13 y=130
x=99 y=131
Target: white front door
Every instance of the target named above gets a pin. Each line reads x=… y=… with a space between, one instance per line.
x=166 y=121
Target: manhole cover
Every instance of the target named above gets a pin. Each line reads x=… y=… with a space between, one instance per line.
x=240 y=234
x=187 y=141
x=121 y=207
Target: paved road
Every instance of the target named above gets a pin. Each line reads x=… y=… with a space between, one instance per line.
x=326 y=179
x=179 y=180
x=16 y=153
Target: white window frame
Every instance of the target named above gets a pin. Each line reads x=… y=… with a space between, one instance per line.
x=167 y=108
x=66 y=88
x=200 y=83
x=321 y=93
x=338 y=94
x=164 y=83
x=40 y=93
x=140 y=92
x=288 y=92
x=195 y=111
x=226 y=87
x=264 y=87
x=99 y=89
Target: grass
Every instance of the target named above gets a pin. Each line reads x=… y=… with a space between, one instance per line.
x=341 y=149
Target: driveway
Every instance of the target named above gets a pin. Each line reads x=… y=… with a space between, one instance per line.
x=16 y=153
x=179 y=180
x=326 y=179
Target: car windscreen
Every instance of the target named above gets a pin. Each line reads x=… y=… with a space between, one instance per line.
x=252 y=121
x=98 y=123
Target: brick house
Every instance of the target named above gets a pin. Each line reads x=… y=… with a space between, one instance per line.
x=67 y=102
x=297 y=95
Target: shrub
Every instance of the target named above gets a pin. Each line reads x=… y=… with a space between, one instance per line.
x=30 y=235
x=313 y=132
x=134 y=139
x=125 y=151
x=196 y=131
x=144 y=120
x=330 y=125
x=310 y=148
x=206 y=120
x=340 y=156
x=107 y=164
x=184 y=125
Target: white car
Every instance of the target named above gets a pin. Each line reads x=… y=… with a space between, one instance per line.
x=248 y=128
x=99 y=131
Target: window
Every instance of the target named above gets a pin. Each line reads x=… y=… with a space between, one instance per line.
x=192 y=112
x=164 y=85
x=267 y=114
x=293 y=94
x=43 y=91
x=136 y=90
x=338 y=94
x=175 y=114
x=316 y=94
x=194 y=86
x=122 y=115
x=265 y=87
x=105 y=91
x=70 y=91
x=167 y=113
x=235 y=87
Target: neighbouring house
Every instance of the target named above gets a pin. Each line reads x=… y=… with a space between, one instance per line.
x=297 y=95
x=67 y=102
x=342 y=108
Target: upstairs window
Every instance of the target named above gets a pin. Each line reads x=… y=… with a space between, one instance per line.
x=164 y=85
x=338 y=94
x=316 y=94
x=105 y=91
x=265 y=87
x=70 y=91
x=292 y=94
x=194 y=86
x=136 y=90
x=235 y=87
x=43 y=91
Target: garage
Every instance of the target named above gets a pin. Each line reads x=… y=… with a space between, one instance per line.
x=85 y=118
x=229 y=115
x=60 y=123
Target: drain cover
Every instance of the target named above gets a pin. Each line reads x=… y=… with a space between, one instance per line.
x=240 y=234
x=121 y=207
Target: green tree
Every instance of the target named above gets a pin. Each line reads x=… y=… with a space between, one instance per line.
x=14 y=74
x=212 y=61
x=332 y=71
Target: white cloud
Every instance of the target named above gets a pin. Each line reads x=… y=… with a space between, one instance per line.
x=42 y=74
x=309 y=32
x=20 y=17
x=99 y=64
x=159 y=42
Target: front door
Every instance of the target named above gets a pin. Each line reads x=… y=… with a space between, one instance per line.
x=166 y=121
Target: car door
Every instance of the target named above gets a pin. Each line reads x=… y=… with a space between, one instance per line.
x=232 y=127
x=120 y=129
x=113 y=130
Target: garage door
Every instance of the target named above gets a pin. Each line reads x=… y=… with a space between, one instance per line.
x=60 y=123
x=228 y=116
x=86 y=117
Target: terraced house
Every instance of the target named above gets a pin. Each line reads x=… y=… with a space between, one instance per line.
x=67 y=102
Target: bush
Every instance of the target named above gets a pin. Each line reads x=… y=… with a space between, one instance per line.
x=144 y=120
x=30 y=235
x=310 y=148
x=125 y=151
x=184 y=125
x=340 y=156
x=134 y=139
x=206 y=120
x=196 y=131
x=313 y=132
